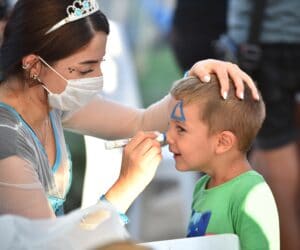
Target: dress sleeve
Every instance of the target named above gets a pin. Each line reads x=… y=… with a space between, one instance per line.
x=109 y=120
x=257 y=222
x=8 y=142
x=21 y=192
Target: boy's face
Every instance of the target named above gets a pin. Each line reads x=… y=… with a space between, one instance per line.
x=188 y=139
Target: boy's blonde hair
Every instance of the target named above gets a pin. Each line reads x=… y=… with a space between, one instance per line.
x=242 y=117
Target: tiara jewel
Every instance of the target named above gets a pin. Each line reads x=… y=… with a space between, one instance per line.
x=79 y=9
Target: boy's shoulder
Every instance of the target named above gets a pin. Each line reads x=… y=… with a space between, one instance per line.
x=235 y=190
x=243 y=181
x=248 y=179
x=249 y=189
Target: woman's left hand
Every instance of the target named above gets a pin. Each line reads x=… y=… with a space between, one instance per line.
x=224 y=70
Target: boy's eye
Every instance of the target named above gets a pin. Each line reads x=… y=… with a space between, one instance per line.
x=180 y=129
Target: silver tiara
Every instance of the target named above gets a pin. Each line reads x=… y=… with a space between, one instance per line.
x=79 y=9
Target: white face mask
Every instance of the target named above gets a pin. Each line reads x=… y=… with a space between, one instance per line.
x=78 y=92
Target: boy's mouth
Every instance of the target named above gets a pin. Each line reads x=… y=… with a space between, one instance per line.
x=175 y=154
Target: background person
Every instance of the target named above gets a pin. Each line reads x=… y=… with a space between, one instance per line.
x=195 y=25
x=275 y=154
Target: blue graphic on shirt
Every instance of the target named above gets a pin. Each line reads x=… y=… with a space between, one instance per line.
x=198 y=223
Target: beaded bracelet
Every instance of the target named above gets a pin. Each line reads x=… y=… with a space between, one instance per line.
x=123 y=216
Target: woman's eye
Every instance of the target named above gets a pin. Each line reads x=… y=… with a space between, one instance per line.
x=84 y=72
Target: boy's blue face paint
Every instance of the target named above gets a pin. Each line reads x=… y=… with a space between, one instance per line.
x=177 y=113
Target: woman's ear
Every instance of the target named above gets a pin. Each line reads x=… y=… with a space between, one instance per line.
x=32 y=65
x=225 y=141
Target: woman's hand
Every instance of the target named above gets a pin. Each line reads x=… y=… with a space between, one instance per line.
x=139 y=163
x=141 y=158
x=224 y=70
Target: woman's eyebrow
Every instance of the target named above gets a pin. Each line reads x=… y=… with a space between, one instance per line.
x=89 y=62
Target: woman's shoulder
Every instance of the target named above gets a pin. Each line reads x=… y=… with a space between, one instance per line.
x=8 y=116
x=8 y=133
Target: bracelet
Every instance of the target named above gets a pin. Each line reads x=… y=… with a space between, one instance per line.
x=123 y=216
x=186 y=74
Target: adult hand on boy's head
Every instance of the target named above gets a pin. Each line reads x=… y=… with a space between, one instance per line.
x=141 y=157
x=224 y=71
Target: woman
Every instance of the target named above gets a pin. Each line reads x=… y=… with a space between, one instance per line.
x=51 y=73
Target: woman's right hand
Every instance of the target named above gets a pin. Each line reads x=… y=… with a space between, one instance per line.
x=139 y=163
x=140 y=158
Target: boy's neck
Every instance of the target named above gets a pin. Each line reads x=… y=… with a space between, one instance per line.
x=225 y=170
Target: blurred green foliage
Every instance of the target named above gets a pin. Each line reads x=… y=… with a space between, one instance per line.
x=158 y=74
x=77 y=149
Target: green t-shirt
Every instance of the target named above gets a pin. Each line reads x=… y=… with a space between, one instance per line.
x=244 y=206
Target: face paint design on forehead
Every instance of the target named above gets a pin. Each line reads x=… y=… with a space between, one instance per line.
x=177 y=113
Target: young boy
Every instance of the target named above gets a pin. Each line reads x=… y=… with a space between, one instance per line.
x=212 y=135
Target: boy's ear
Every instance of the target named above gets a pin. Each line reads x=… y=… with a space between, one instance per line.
x=225 y=141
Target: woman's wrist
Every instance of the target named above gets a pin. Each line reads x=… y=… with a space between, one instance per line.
x=123 y=216
x=123 y=193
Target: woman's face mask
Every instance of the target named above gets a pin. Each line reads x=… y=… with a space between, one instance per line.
x=78 y=92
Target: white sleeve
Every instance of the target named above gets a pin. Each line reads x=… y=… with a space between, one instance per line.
x=21 y=192
x=110 y=120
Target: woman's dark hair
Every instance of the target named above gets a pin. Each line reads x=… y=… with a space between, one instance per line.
x=25 y=33
x=3 y=9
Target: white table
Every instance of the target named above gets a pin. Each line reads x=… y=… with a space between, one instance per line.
x=211 y=242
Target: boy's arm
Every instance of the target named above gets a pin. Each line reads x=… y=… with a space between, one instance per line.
x=257 y=223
